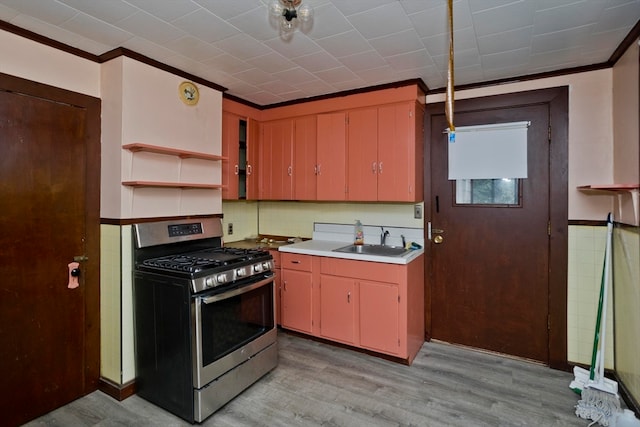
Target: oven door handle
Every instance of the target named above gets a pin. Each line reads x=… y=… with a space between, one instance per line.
x=235 y=292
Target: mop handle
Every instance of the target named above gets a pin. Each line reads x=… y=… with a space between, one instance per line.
x=601 y=307
x=606 y=274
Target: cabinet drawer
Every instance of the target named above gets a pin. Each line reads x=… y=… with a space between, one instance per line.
x=296 y=261
x=365 y=270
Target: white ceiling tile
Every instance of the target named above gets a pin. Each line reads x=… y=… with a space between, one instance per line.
x=388 y=45
x=560 y=40
x=234 y=43
x=317 y=61
x=96 y=30
x=344 y=44
x=205 y=26
x=508 y=40
x=504 y=18
x=49 y=11
x=110 y=11
x=295 y=76
x=272 y=62
x=356 y=6
x=7 y=14
x=327 y=21
x=410 y=60
x=254 y=23
x=229 y=63
x=563 y=17
x=151 y=28
x=380 y=21
x=231 y=9
x=165 y=10
x=618 y=17
x=336 y=75
x=194 y=48
x=363 y=61
x=518 y=57
x=255 y=76
x=152 y=50
x=297 y=46
x=241 y=46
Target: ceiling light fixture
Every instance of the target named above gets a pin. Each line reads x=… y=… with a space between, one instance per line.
x=289 y=12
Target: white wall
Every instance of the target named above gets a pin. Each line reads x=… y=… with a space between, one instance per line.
x=141 y=105
x=33 y=61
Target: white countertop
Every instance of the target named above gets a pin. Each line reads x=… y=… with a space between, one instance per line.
x=326 y=247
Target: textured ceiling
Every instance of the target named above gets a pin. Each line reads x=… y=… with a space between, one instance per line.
x=349 y=44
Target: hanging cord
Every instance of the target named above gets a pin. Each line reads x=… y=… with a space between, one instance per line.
x=449 y=96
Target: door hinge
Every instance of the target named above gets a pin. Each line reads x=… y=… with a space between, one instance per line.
x=398 y=298
x=548 y=228
x=398 y=342
x=548 y=322
x=549 y=134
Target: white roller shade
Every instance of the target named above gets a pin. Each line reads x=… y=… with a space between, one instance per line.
x=488 y=151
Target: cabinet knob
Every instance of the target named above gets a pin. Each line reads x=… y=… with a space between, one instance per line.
x=237 y=169
x=374 y=167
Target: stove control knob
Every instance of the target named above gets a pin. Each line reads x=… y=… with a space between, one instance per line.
x=266 y=265
x=221 y=278
x=257 y=268
x=241 y=272
x=209 y=282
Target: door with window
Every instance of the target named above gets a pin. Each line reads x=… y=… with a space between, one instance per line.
x=491 y=241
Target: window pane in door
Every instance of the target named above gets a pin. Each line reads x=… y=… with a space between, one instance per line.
x=502 y=191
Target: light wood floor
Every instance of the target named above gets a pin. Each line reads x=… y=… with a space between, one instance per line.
x=319 y=384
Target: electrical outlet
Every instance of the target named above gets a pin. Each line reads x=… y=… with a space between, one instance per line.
x=230 y=228
x=417 y=211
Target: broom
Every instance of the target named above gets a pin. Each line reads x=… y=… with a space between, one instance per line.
x=599 y=395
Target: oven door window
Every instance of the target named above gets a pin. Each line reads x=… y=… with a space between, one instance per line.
x=228 y=323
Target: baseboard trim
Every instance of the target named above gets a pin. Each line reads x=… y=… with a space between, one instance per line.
x=118 y=391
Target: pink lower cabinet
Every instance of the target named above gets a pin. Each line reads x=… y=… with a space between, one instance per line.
x=338 y=308
x=380 y=314
x=372 y=305
x=296 y=294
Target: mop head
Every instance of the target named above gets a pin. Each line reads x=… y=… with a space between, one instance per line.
x=600 y=406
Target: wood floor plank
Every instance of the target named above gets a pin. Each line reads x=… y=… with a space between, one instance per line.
x=316 y=384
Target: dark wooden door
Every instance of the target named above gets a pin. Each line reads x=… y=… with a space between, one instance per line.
x=490 y=273
x=48 y=332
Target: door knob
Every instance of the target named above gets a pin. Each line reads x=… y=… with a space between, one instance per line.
x=438 y=239
x=74 y=273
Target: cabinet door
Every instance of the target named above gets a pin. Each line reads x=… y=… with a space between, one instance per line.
x=253 y=132
x=304 y=158
x=379 y=317
x=338 y=302
x=400 y=153
x=331 y=154
x=276 y=160
x=230 y=150
x=296 y=310
x=362 y=167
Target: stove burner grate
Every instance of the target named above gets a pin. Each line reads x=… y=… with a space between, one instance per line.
x=202 y=260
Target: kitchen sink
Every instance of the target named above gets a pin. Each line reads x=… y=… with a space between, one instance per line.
x=395 y=251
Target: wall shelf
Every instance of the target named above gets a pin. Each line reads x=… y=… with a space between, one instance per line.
x=183 y=154
x=610 y=187
x=619 y=190
x=182 y=185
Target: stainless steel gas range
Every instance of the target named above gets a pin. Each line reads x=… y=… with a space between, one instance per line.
x=204 y=316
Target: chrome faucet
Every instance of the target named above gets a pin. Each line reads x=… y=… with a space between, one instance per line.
x=383 y=236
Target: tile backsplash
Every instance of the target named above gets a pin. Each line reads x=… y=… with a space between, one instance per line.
x=296 y=219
